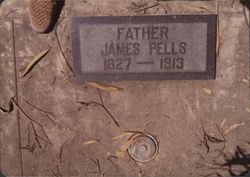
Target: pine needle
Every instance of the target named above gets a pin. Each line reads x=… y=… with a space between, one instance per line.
x=234 y=126
x=125 y=134
x=103 y=86
x=223 y=123
x=90 y=142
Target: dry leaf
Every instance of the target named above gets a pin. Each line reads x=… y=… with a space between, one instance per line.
x=126 y=145
x=207 y=91
x=108 y=154
x=103 y=86
x=120 y=154
x=89 y=142
x=248 y=110
x=196 y=9
x=223 y=123
x=245 y=81
x=234 y=126
x=123 y=135
x=35 y=61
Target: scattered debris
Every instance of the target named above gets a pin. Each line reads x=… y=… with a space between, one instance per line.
x=35 y=61
x=103 y=86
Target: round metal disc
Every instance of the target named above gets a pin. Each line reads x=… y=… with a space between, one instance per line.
x=144 y=148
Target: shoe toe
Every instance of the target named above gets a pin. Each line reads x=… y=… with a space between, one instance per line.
x=41 y=12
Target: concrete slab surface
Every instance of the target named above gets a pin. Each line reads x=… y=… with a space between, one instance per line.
x=51 y=143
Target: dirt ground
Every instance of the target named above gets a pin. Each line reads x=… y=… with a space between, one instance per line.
x=202 y=127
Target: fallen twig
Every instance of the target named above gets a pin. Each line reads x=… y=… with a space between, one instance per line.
x=32 y=122
x=39 y=109
x=207 y=137
x=87 y=104
x=12 y=11
x=61 y=50
x=54 y=81
x=61 y=151
x=146 y=8
x=93 y=103
x=97 y=162
x=57 y=173
x=28 y=145
x=110 y=160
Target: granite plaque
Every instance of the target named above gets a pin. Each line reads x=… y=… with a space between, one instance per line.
x=144 y=47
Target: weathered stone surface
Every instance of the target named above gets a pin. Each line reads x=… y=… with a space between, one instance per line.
x=170 y=110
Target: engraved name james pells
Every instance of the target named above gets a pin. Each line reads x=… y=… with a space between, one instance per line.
x=144 y=47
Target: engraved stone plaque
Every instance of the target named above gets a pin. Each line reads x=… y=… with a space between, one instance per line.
x=144 y=47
